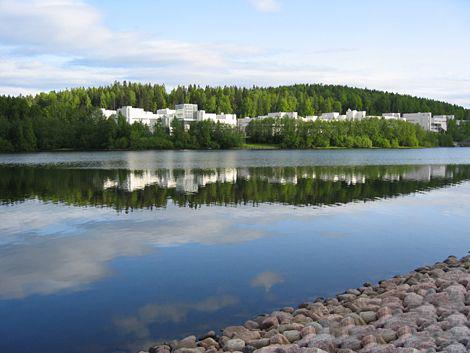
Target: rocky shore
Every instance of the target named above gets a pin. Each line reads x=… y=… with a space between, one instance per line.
x=427 y=310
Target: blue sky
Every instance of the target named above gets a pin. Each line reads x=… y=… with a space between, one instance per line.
x=417 y=47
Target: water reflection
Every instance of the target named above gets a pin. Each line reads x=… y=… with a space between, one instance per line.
x=106 y=281
x=135 y=189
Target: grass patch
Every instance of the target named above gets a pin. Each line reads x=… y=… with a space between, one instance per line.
x=259 y=146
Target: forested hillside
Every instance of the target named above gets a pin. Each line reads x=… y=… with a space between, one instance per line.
x=305 y=99
x=70 y=119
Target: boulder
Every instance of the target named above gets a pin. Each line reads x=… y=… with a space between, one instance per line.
x=187 y=342
x=234 y=344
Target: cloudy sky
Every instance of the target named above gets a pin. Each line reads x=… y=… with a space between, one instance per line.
x=419 y=47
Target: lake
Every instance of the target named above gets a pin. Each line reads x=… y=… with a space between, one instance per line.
x=114 y=251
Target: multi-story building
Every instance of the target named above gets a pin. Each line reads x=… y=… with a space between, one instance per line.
x=355 y=115
x=139 y=115
x=108 y=113
x=421 y=119
x=392 y=116
x=439 y=122
x=310 y=118
x=243 y=123
x=292 y=115
x=188 y=113
x=229 y=119
x=329 y=116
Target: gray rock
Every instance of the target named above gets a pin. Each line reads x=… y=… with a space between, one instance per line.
x=234 y=344
x=368 y=316
x=292 y=335
x=460 y=334
x=208 y=342
x=304 y=342
x=189 y=350
x=248 y=349
x=323 y=341
x=262 y=342
x=251 y=325
x=270 y=321
x=413 y=300
x=453 y=320
x=241 y=332
x=455 y=348
x=387 y=335
x=308 y=330
x=187 y=342
x=210 y=334
x=352 y=343
x=276 y=348
x=279 y=339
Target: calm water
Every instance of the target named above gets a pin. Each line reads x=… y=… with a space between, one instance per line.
x=111 y=252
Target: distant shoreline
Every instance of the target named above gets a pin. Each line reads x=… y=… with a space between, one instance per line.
x=247 y=147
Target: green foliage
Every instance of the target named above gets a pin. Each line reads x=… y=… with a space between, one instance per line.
x=69 y=119
x=314 y=186
x=365 y=133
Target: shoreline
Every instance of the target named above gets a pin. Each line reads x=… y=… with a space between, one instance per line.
x=424 y=311
x=251 y=148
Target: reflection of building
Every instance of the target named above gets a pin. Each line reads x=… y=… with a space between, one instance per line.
x=181 y=180
x=190 y=180
x=426 y=173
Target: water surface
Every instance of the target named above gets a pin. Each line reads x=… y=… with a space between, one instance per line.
x=111 y=252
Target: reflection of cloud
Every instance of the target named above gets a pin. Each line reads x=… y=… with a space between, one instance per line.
x=174 y=312
x=68 y=263
x=45 y=248
x=266 y=280
x=56 y=249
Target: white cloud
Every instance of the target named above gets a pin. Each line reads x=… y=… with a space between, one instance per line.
x=57 y=44
x=266 y=5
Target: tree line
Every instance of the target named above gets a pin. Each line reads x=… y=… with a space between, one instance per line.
x=70 y=119
x=367 y=133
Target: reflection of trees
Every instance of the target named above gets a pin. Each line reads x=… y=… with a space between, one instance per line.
x=290 y=185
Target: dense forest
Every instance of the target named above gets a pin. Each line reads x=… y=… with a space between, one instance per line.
x=367 y=133
x=70 y=119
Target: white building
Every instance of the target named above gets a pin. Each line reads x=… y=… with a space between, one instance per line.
x=392 y=116
x=310 y=118
x=133 y=115
x=243 y=123
x=421 y=119
x=186 y=112
x=139 y=115
x=229 y=119
x=355 y=115
x=108 y=113
x=166 y=116
x=439 y=123
x=329 y=116
x=292 y=115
